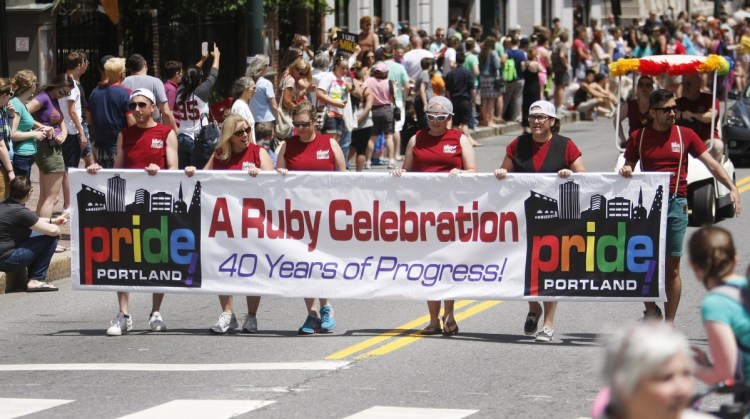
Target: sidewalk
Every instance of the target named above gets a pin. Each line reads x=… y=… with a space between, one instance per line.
x=60 y=265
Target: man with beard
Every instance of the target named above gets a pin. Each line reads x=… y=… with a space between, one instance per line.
x=663 y=147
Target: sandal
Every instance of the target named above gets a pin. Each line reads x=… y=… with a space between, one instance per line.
x=430 y=330
x=450 y=327
x=60 y=249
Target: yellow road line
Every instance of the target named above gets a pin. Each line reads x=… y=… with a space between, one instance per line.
x=407 y=340
x=743 y=181
x=387 y=335
x=744 y=189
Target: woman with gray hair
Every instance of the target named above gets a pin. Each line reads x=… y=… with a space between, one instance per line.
x=649 y=373
x=243 y=91
x=263 y=104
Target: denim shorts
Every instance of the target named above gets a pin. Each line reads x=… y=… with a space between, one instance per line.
x=677 y=222
x=333 y=125
x=22 y=164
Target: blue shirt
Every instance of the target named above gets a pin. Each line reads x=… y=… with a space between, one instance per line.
x=518 y=57
x=108 y=105
x=722 y=309
x=259 y=103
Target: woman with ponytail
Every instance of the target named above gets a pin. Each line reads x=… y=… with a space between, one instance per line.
x=713 y=258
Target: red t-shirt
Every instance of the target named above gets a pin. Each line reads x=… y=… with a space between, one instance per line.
x=316 y=155
x=660 y=152
x=143 y=146
x=636 y=119
x=437 y=154
x=240 y=161
x=540 y=153
x=700 y=105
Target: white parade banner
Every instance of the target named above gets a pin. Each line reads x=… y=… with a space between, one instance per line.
x=593 y=236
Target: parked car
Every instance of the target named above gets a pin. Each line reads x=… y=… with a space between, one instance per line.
x=736 y=126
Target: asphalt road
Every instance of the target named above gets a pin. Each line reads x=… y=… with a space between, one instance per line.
x=53 y=350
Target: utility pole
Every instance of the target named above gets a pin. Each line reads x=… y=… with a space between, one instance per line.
x=255 y=33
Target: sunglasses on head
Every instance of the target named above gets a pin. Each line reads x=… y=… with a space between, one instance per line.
x=667 y=109
x=436 y=117
x=140 y=105
x=239 y=133
x=302 y=124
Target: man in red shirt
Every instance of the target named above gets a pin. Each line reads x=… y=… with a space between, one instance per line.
x=696 y=113
x=151 y=146
x=663 y=147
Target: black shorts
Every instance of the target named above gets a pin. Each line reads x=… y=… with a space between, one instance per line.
x=461 y=111
x=360 y=138
x=71 y=149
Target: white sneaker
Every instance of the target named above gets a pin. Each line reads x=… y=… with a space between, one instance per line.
x=251 y=324
x=226 y=321
x=157 y=323
x=545 y=335
x=120 y=325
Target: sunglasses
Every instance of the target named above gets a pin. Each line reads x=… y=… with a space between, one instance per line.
x=139 y=105
x=439 y=118
x=645 y=85
x=667 y=109
x=540 y=118
x=62 y=92
x=303 y=74
x=302 y=124
x=239 y=133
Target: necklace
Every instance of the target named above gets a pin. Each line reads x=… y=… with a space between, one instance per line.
x=540 y=146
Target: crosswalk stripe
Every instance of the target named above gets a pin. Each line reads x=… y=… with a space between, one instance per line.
x=378 y=412
x=14 y=408
x=198 y=409
x=258 y=366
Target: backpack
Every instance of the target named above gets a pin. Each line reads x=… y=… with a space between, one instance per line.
x=740 y=295
x=509 y=70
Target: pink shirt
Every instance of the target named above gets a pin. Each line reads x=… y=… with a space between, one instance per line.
x=381 y=93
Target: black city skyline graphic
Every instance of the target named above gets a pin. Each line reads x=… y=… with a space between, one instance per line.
x=546 y=215
x=147 y=210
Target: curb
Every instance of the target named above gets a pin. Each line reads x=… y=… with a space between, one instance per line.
x=59 y=267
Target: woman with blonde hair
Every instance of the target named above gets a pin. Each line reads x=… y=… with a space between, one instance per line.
x=295 y=84
x=236 y=152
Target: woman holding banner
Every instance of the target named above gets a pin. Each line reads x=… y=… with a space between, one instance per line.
x=541 y=151
x=304 y=151
x=236 y=151
x=425 y=152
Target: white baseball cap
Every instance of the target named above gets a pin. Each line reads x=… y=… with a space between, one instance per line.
x=543 y=108
x=145 y=93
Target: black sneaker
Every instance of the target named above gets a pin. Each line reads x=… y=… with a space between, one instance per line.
x=532 y=323
x=658 y=316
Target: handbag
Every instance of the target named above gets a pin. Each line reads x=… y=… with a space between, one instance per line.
x=207 y=138
x=350 y=122
x=283 y=125
x=320 y=118
x=396 y=109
